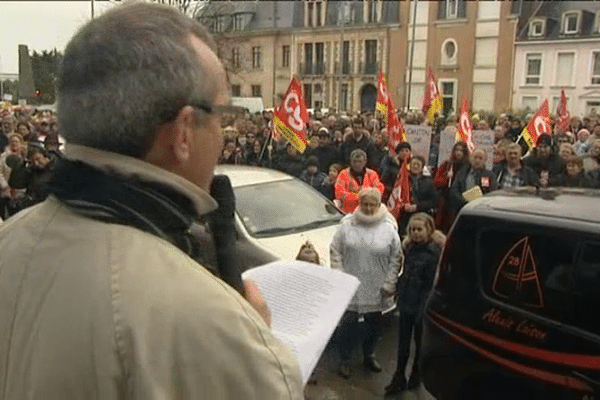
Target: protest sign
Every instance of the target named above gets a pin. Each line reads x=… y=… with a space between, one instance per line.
x=481 y=139
x=419 y=138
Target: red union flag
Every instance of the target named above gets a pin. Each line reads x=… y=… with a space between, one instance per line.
x=400 y=195
x=432 y=101
x=563 y=117
x=382 y=95
x=464 y=128
x=396 y=132
x=290 y=117
x=539 y=124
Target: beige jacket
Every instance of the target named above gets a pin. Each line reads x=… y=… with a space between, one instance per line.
x=90 y=310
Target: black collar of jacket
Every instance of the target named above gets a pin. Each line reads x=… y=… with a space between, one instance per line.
x=150 y=207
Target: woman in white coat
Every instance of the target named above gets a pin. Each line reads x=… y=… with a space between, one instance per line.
x=367 y=246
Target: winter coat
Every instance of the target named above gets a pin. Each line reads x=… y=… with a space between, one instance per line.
x=366 y=144
x=446 y=211
x=327 y=155
x=565 y=180
x=553 y=164
x=347 y=187
x=369 y=248
x=293 y=165
x=316 y=180
x=528 y=175
x=484 y=178
x=389 y=172
x=91 y=309
x=416 y=280
x=423 y=193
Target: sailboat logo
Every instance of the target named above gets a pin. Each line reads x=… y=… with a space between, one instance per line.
x=517 y=276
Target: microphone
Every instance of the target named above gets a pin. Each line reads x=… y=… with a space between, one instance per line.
x=222 y=225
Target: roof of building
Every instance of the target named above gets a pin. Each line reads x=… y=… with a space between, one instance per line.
x=553 y=11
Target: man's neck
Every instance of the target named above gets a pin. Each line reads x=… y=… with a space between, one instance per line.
x=513 y=166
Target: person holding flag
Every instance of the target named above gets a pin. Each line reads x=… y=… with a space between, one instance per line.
x=432 y=101
x=563 y=117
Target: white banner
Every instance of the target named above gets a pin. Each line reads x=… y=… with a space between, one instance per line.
x=419 y=138
x=482 y=139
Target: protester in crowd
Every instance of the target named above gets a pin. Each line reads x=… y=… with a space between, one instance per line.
x=582 y=145
x=358 y=140
x=231 y=153
x=13 y=154
x=367 y=246
x=24 y=129
x=422 y=248
x=116 y=232
x=515 y=129
x=32 y=176
x=566 y=151
x=574 y=175
x=9 y=124
x=475 y=174
x=381 y=150
x=329 y=186
x=313 y=176
x=352 y=179
x=390 y=166
x=254 y=157
x=544 y=161
x=327 y=153
x=290 y=161
x=423 y=195
x=446 y=173
x=592 y=160
x=513 y=173
x=52 y=146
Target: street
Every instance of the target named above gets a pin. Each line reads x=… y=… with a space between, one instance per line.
x=362 y=385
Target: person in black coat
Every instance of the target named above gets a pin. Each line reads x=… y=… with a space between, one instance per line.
x=390 y=165
x=574 y=175
x=357 y=139
x=423 y=195
x=326 y=152
x=475 y=174
x=313 y=176
x=422 y=248
x=544 y=161
x=31 y=176
x=291 y=162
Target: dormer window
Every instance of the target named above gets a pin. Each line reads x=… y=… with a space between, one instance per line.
x=597 y=22
x=536 y=27
x=570 y=22
x=238 y=22
x=451 y=9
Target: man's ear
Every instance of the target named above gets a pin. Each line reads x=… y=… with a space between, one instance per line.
x=173 y=140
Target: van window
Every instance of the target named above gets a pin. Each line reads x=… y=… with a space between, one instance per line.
x=531 y=270
x=586 y=289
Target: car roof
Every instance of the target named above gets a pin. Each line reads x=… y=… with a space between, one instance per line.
x=568 y=203
x=243 y=175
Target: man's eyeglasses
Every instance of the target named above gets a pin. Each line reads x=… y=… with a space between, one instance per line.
x=219 y=108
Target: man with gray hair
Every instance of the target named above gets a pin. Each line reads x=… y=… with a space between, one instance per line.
x=354 y=178
x=101 y=294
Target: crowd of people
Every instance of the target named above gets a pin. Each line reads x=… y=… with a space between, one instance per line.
x=31 y=145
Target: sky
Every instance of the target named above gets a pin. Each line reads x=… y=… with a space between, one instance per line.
x=41 y=25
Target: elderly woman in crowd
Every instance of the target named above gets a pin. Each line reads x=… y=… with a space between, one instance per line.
x=352 y=179
x=367 y=246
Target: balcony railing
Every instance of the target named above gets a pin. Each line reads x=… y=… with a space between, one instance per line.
x=312 y=69
x=346 y=68
x=319 y=68
x=369 y=68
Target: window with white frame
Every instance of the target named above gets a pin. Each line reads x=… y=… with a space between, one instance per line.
x=597 y=22
x=451 y=9
x=536 y=27
x=570 y=22
x=372 y=11
x=236 y=57
x=238 y=22
x=448 y=93
x=596 y=68
x=449 y=51
x=221 y=23
x=529 y=102
x=310 y=9
x=285 y=55
x=319 y=8
x=256 y=57
x=564 y=69
x=533 y=69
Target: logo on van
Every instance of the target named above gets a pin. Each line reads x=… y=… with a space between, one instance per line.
x=517 y=276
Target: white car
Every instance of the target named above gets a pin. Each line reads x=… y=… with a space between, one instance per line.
x=276 y=213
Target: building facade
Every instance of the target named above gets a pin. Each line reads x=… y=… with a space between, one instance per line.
x=560 y=48
x=336 y=48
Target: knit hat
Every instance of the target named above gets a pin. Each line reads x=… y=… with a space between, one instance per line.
x=403 y=145
x=544 y=139
x=312 y=161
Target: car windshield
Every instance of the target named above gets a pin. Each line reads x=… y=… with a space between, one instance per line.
x=283 y=207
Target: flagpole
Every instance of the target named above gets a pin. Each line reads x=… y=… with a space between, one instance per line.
x=412 y=52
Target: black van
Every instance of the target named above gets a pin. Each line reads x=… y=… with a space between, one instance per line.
x=515 y=308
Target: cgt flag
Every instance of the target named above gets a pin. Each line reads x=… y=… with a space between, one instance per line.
x=290 y=117
x=538 y=125
x=464 y=128
x=432 y=101
x=396 y=131
x=563 y=117
x=400 y=195
x=382 y=95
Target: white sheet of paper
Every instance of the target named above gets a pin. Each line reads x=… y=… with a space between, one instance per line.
x=307 y=301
